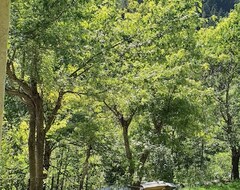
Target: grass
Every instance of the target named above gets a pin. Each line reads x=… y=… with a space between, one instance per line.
x=229 y=186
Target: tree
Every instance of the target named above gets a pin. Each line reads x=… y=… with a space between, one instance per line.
x=112 y=93
x=151 y=61
x=221 y=60
x=4 y=27
x=30 y=73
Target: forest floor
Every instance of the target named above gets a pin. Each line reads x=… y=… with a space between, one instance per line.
x=229 y=186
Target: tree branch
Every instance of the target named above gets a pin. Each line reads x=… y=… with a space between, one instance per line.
x=24 y=97
x=43 y=25
x=74 y=74
x=12 y=76
x=129 y=120
x=111 y=109
x=123 y=120
x=52 y=117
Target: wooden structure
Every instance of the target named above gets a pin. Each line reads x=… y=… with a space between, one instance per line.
x=160 y=185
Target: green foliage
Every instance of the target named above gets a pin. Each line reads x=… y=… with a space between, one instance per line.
x=220 y=186
x=149 y=61
x=13 y=167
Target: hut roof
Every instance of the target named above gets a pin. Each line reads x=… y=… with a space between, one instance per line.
x=158 y=185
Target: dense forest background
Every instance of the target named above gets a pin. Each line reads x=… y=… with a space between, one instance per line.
x=115 y=93
x=217 y=7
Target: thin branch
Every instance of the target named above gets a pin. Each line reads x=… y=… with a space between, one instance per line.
x=170 y=98
x=123 y=120
x=52 y=117
x=23 y=96
x=45 y=24
x=111 y=109
x=74 y=74
x=64 y=173
x=129 y=120
x=12 y=76
x=84 y=71
x=13 y=55
x=83 y=93
x=58 y=104
x=219 y=99
x=223 y=115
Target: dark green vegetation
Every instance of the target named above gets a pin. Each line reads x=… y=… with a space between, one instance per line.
x=217 y=7
x=107 y=93
x=220 y=186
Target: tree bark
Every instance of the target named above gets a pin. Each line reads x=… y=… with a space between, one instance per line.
x=39 y=143
x=47 y=154
x=36 y=144
x=235 y=164
x=31 y=151
x=125 y=123
x=52 y=183
x=131 y=169
x=85 y=168
x=4 y=28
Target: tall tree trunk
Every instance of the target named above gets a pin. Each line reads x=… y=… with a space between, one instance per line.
x=36 y=142
x=4 y=28
x=235 y=164
x=31 y=151
x=85 y=168
x=131 y=169
x=36 y=149
x=39 y=143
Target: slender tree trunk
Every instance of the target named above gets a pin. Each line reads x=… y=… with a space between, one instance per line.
x=47 y=154
x=235 y=164
x=31 y=151
x=62 y=183
x=39 y=144
x=86 y=184
x=202 y=153
x=131 y=169
x=85 y=168
x=64 y=170
x=59 y=170
x=36 y=143
x=4 y=28
x=125 y=123
x=52 y=183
